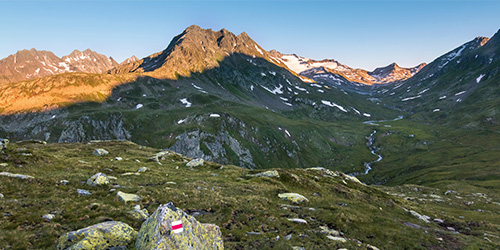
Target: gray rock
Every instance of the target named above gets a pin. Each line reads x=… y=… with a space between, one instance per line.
x=159 y=231
x=21 y=176
x=3 y=144
x=301 y=221
x=1 y=196
x=138 y=213
x=298 y=248
x=326 y=230
x=293 y=197
x=100 y=152
x=420 y=217
x=130 y=173
x=336 y=238
x=64 y=182
x=98 y=179
x=288 y=237
x=195 y=162
x=142 y=169
x=125 y=197
x=83 y=192
x=370 y=247
x=114 y=235
x=118 y=158
x=48 y=217
x=270 y=174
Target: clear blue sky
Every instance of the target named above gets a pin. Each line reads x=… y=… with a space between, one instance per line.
x=361 y=34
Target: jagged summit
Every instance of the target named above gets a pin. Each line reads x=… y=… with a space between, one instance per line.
x=194 y=50
x=33 y=63
x=329 y=70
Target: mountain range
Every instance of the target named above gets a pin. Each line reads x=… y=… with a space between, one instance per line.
x=32 y=64
x=424 y=137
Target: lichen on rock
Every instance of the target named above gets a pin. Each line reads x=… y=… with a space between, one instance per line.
x=293 y=197
x=106 y=235
x=157 y=232
x=98 y=179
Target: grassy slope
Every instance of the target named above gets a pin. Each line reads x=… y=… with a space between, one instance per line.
x=237 y=203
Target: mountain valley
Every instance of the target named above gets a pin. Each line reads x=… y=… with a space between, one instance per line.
x=245 y=111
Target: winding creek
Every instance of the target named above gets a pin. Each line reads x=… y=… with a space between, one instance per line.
x=371 y=139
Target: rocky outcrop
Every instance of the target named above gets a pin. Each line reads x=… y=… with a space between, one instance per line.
x=107 y=235
x=171 y=228
x=190 y=144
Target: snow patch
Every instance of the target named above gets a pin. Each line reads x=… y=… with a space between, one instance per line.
x=260 y=51
x=460 y=93
x=215 y=115
x=277 y=90
x=185 y=102
x=478 y=79
x=138 y=106
x=332 y=104
x=181 y=121
x=288 y=133
x=411 y=98
x=367 y=115
x=442 y=97
x=436 y=110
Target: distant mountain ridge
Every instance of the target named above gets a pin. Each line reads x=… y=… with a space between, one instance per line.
x=332 y=69
x=31 y=64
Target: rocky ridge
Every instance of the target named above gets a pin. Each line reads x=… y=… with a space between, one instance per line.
x=31 y=64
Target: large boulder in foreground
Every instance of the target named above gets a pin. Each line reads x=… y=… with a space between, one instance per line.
x=107 y=235
x=170 y=228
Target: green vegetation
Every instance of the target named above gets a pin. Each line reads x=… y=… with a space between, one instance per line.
x=247 y=209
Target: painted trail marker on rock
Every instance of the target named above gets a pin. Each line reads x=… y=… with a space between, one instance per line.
x=177 y=227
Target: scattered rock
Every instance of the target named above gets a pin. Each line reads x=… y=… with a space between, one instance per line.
x=170 y=183
x=370 y=247
x=351 y=178
x=98 y=179
x=336 y=238
x=439 y=220
x=286 y=206
x=118 y=158
x=301 y=221
x=420 y=217
x=48 y=217
x=127 y=197
x=138 y=213
x=451 y=229
x=32 y=141
x=293 y=197
x=4 y=164
x=107 y=235
x=130 y=173
x=298 y=248
x=94 y=205
x=195 y=162
x=21 y=176
x=1 y=196
x=170 y=228
x=83 y=192
x=100 y=152
x=288 y=237
x=64 y=182
x=326 y=230
x=271 y=173
x=161 y=155
x=3 y=144
x=142 y=169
